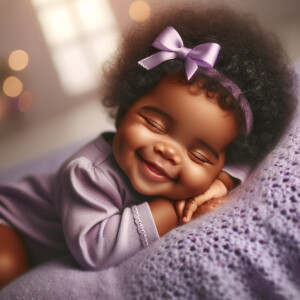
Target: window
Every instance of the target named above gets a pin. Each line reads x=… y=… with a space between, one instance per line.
x=80 y=34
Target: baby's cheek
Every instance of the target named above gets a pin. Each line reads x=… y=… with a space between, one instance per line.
x=138 y=132
x=128 y=136
x=198 y=179
x=195 y=182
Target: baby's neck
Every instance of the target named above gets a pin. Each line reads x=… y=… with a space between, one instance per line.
x=108 y=137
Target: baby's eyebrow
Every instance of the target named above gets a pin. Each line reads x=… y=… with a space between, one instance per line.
x=158 y=110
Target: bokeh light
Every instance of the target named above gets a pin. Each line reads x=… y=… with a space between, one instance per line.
x=139 y=11
x=24 y=101
x=3 y=107
x=18 y=60
x=12 y=86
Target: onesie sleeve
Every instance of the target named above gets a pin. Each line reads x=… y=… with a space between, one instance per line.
x=238 y=171
x=98 y=231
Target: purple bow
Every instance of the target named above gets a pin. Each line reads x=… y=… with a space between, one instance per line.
x=171 y=46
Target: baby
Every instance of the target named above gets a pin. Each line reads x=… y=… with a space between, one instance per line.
x=191 y=90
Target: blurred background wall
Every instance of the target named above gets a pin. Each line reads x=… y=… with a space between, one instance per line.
x=51 y=53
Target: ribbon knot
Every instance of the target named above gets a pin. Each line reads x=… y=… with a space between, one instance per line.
x=183 y=52
x=171 y=46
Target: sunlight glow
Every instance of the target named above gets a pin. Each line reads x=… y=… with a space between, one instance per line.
x=94 y=14
x=80 y=34
x=57 y=24
x=74 y=69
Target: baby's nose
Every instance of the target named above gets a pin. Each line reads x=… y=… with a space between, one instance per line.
x=169 y=152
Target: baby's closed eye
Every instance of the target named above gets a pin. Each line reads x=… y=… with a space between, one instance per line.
x=154 y=125
x=199 y=156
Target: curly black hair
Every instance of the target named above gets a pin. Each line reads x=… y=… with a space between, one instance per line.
x=252 y=58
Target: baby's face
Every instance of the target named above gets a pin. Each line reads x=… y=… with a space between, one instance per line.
x=172 y=142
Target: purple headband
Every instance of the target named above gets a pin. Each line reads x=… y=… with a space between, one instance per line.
x=201 y=58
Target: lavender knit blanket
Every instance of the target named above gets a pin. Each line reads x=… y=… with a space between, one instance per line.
x=248 y=248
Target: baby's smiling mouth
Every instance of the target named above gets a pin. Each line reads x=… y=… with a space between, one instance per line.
x=155 y=171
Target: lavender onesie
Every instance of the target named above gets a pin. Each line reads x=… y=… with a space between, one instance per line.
x=88 y=207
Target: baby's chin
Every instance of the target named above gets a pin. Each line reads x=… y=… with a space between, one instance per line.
x=170 y=196
x=183 y=195
x=174 y=194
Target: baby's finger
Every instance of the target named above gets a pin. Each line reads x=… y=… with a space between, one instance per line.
x=216 y=190
x=206 y=196
x=190 y=208
x=179 y=207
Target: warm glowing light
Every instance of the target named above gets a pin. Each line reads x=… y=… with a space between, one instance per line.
x=3 y=107
x=24 y=101
x=18 y=60
x=12 y=86
x=139 y=11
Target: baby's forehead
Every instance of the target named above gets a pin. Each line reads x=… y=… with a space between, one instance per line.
x=191 y=115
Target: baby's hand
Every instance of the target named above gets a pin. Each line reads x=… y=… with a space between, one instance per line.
x=186 y=208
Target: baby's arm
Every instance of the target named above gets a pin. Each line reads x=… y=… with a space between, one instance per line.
x=164 y=215
x=99 y=229
x=167 y=217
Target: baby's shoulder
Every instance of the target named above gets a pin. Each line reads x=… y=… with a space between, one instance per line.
x=96 y=151
x=96 y=155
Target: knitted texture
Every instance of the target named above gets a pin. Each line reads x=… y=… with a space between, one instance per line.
x=248 y=248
